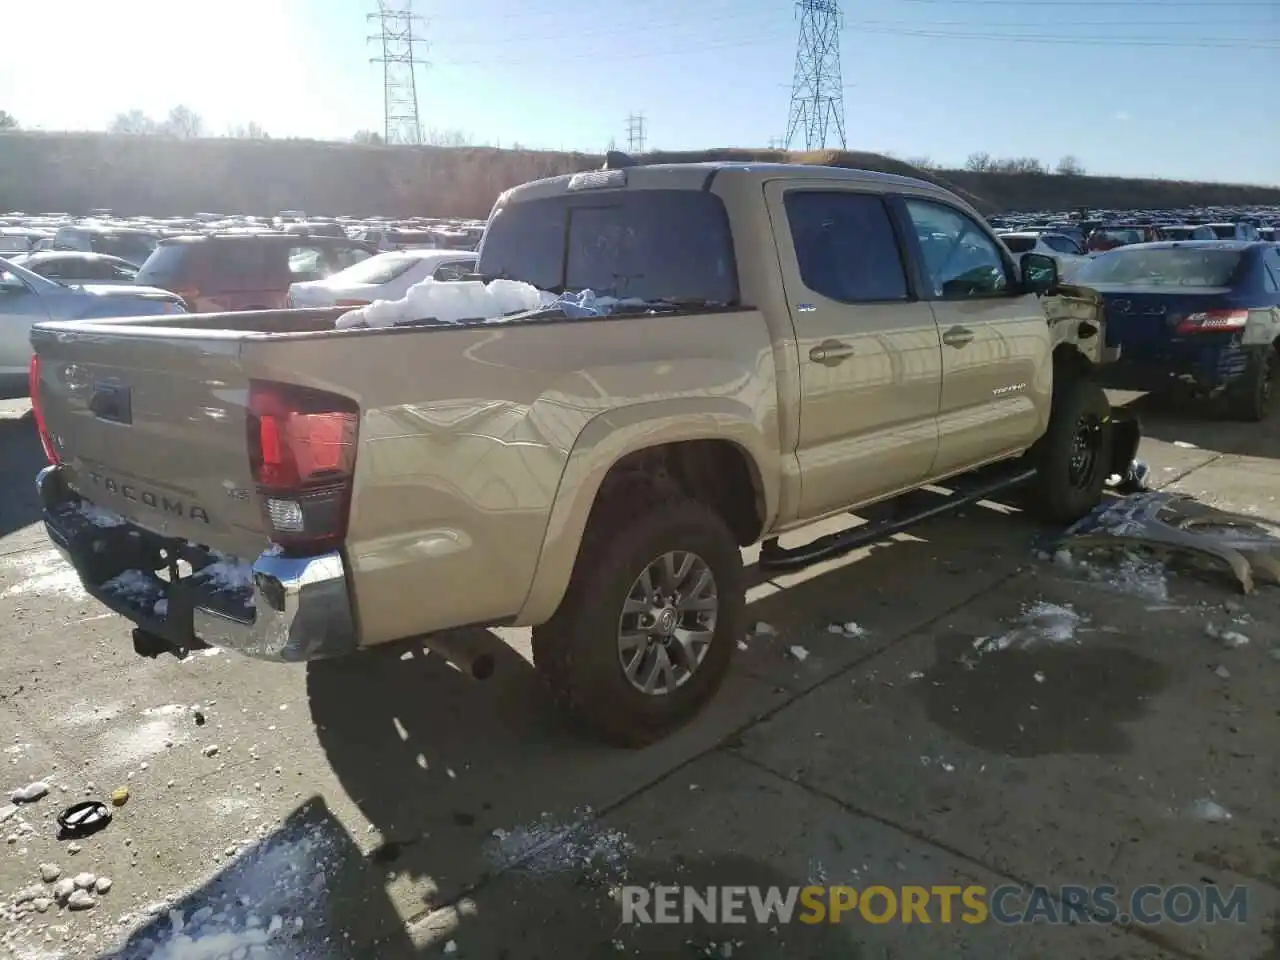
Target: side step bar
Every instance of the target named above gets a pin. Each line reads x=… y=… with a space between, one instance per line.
x=776 y=559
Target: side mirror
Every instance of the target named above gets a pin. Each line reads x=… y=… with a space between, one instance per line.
x=1039 y=273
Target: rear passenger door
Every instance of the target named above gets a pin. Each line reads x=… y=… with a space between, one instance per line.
x=870 y=365
x=997 y=360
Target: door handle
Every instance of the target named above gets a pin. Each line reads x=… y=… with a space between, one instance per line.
x=831 y=352
x=958 y=337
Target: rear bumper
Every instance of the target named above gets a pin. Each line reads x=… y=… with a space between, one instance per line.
x=275 y=608
x=1208 y=368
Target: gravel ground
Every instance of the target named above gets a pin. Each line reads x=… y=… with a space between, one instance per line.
x=995 y=718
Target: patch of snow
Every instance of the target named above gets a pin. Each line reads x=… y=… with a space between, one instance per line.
x=451 y=301
x=799 y=653
x=547 y=846
x=1039 y=622
x=126 y=746
x=1209 y=811
x=282 y=877
x=849 y=629
x=226 y=574
x=100 y=516
x=1185 y=445
x=40 y=574
x=134 y=586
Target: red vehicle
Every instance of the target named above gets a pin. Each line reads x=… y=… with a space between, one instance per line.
x=1112 y=235
x=245 y=271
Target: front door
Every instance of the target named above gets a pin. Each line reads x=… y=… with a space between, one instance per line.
x=870 y=364
x=997 y=348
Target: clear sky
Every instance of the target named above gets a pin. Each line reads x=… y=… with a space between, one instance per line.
x=1175 y=88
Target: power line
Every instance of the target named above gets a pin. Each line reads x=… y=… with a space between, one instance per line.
x=1150 y=4
x=635 y=133
x=1216 y=43
x=400 y=64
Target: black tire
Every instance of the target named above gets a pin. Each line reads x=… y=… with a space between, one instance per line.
x=577 y=650
x=1253 y=399
x=1073 y=458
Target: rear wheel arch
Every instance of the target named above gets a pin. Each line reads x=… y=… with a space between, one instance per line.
x=727 y=465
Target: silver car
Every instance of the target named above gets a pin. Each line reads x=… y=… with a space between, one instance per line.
x=27 y=298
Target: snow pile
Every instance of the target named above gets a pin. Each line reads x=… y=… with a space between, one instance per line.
x=1136 y=575
x=546 y=846
x=133 y=586
x=99 y=516
x=225 y=573
x=449 y=301
x=262 y=907
x=1039 y=622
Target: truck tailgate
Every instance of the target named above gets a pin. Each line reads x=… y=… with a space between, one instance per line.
x=151 y=424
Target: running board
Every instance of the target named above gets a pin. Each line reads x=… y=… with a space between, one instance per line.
x=776 y=559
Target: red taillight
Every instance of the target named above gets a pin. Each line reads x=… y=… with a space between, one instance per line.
x=302 y=449
x=1214 y=321
x=33 y=388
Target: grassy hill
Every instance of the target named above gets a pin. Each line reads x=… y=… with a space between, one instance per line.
x=75 y=172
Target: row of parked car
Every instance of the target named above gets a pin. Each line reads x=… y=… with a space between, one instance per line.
x=1166 y=285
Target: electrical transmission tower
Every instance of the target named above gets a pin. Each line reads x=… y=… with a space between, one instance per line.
x=817 y=91
x=635 y=133
x=400 y=64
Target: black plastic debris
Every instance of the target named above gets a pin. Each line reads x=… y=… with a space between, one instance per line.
x=83 y=819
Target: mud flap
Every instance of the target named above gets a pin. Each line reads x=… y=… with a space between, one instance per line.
x=1172 y=524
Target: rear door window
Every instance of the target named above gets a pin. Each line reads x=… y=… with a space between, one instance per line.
x=670 y=245
x=168 y=264
x=845 y=246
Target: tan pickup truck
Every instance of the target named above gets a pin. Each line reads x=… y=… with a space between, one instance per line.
x=784 y=344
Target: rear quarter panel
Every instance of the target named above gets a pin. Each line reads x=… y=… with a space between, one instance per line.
x=481 y=448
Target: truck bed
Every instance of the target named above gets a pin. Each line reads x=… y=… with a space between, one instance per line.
x=464 y=431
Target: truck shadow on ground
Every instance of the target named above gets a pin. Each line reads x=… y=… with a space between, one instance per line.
x=438 y=762
x=1175 y=419
x=295 y=894
x=21 y=458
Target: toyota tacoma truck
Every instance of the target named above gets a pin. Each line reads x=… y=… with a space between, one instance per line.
x=785 y=344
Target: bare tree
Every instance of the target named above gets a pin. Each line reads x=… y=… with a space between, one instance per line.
x=446 y=138
x=184 y=123
x=249 y=131
x=371 y=137
x=924 y=163
x=978 y=162
x=8 y=121
x=1070 y=166
x=134 y=123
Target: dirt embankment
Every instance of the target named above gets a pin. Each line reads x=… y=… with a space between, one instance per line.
x=75 y=172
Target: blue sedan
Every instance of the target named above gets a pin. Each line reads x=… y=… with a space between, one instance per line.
x=1203 y=315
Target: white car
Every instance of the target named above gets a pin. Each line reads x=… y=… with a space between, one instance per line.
x=384 y=276
x=1062 y=248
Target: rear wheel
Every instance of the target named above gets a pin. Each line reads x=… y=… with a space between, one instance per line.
x=1073 y=458
x=644 y=635
x=1254 y=397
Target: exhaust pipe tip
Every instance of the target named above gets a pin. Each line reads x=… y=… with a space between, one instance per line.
x=482 y=667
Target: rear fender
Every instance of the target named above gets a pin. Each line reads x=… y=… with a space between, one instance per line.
x=608 y=438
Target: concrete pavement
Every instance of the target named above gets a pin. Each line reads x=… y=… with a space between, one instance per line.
x=389 y=807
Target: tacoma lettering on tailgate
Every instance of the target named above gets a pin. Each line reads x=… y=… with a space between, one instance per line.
x=149 y=498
